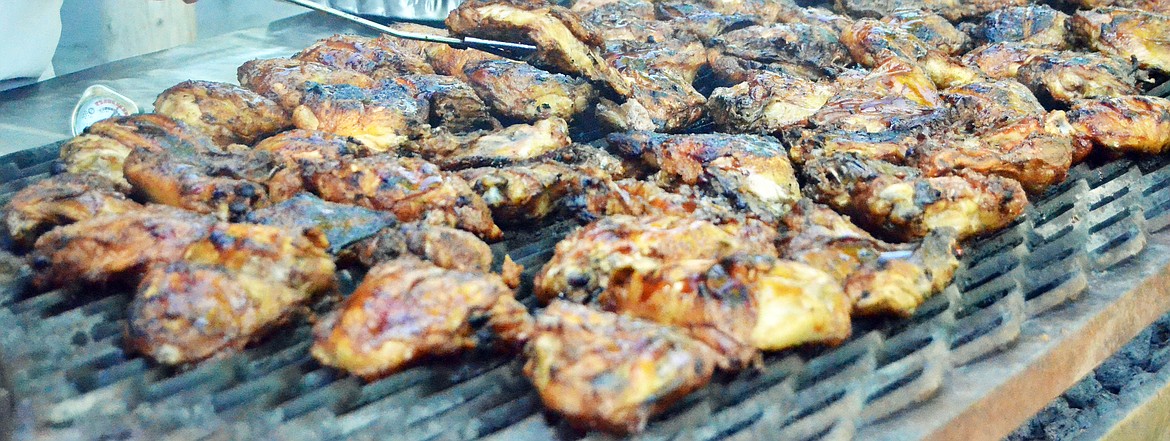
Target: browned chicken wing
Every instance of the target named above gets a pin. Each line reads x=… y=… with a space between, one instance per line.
x=115 y=247
x=284 y=80
x=1128 y=34
x=737 y=305
x=899 y=203
x=228 y=290
x=1002 y=61
x=584 y=262
x=522 y=92
x=62 y=200
x=1068 y=77
x=297 y=153
x=767 y=103
x=444 y=247
x=633 y=197
x=406 y=310
x=797 y=49
x=411 y=188
x=453 y=104
x=523 y=193
x=564 y=42
x=753 y=171
x=230 y=114
x=380 y=58
x=660 y=75
x=954 y=10
x=381 y=118
x=878 y=277
x=1033 y=25
x=513 y=144
x=1139 y=124
x=224 y=183
x=931 y=28
x=104 y=146
x=609 y=371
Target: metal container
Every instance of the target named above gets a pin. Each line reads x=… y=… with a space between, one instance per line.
x=414 y=10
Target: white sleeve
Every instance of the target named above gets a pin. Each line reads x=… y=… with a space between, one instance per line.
x=31 y=30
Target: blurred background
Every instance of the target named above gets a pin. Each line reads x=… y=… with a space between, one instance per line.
x=99 y=31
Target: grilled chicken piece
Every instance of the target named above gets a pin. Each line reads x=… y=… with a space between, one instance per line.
x=587 y=259
x=380 y=58
x=516 y=143
x=1067 y=77
x=736 y=306
x=900 y=204
x=62 y=200
x=115 y=247
x=895 y=97
x=1016 y=138
x=284 y=80
x=564 y=43
x=766 y=11
x=592 y=161
x=444 y=247
x=1002 y=61
x=1128 y=34
x=296 y=153
x=873 y=43
x=1155 y=6
x=211 y=180
x=632 y=197
x=660 y=75
x=798 y=49
x=1123 y=124
x=608 y=371
x=406 y=310
x=521 y=92
x=953 y=10
x=230 y=114
x=817 y=17
x=752 y=171
x=523 y=193
x=630 y=20
x=768 y=103
x=693 y=22
x=342 y=225
x=381 y=118
x=104 y=146
x=453 y=104
x=411 y=188
x=1033 y=25
x=229 y=289
x=932 y=29
x=879 y=278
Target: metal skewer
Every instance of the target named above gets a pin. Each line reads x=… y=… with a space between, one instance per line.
x=502 y=48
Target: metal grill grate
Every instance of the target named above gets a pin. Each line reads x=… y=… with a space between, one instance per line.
x=72 y=378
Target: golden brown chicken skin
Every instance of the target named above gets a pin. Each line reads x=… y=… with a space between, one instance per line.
x=380 y=58
x=953 y=10
x=381 y=118
x=1033 y=25
x=1155 y=6
x=444 y=247
x=930 y=28
x=564 y=42
x=625 y=20
x=1067 y=77
x=660 y=75
x=878 y=277
x=768 y=103
x=515 y=143
x=104 y=146
x=583 y=264
x=607 y=197
x=224 y=183
x=738 y=305
x=1128 y=34
x=753 y=171
x=406 y=310
x=62 y=200
x=1002 y=61
x=1139 y=124
x=284 y=80
x=900 y=204
x=229 y=289
x=798 y=49
x=608 y=371
x=297 y=153
x=411 y=188
x=872 y=43
x=116 y=247
x=228 y=113
x=523 y=193
x=454 y=105
x=521 y=92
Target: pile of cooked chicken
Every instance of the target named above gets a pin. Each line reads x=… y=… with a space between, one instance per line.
x=846 y=155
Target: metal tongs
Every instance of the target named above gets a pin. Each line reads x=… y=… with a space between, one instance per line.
x=504 y=49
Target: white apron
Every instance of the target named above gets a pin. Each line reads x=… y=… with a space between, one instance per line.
x=29 y=31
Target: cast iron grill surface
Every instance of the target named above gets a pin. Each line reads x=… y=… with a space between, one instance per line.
x=72 y=378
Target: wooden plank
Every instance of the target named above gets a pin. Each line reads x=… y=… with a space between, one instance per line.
x=145 y=26
x=989 y=399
